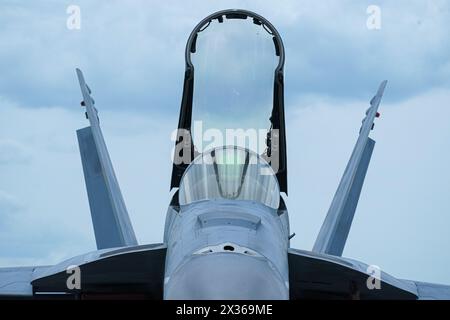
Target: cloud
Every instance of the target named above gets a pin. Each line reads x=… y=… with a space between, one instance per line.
x=48 y=218
x=403 y=204
x=13 y=152
x=133 y=55
x=133 y=59
x=9 y=205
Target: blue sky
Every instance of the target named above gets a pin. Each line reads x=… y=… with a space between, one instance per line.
x=133 y=58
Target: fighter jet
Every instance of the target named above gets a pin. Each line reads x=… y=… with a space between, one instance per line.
x=227 y=233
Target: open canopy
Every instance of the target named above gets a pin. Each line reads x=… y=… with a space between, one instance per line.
x=234 y=61
x=233 y=91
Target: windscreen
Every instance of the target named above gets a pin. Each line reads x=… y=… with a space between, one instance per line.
x=229 y=173
x=234 y=63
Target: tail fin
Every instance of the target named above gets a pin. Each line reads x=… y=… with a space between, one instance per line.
x=334 y=231
x=112 y=225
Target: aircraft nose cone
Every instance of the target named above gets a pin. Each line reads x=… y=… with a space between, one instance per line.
x=225 y=276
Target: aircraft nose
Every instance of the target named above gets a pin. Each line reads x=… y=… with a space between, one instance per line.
x=225 y=276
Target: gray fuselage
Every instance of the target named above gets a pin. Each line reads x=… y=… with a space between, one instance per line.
x=226 y=249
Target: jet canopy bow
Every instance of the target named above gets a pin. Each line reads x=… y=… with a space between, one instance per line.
x=227 y=233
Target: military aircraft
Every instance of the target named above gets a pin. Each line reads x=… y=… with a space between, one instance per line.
x=227 y=232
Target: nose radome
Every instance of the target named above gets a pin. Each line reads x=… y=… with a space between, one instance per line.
x=225 y=276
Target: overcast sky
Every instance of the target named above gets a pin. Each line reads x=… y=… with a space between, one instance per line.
x=133 y=59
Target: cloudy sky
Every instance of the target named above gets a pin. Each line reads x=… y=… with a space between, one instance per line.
x=133 y=58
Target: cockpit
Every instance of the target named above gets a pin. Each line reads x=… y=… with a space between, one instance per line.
x=232 y=95
x=230 y=173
